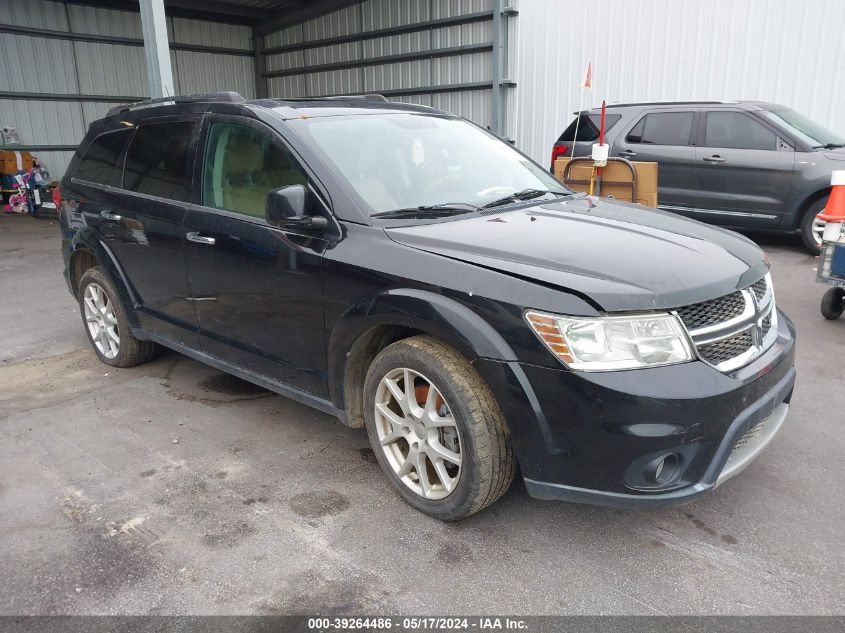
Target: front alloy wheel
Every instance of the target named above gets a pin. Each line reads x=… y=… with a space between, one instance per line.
x=811 y=228
x=436 y=429
x=101 y=321
x=417 y=433
x=818 y=230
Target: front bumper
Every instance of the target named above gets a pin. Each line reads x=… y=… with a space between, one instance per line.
x=588 y=437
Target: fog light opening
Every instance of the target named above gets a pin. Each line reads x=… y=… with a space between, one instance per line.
x=662 y=470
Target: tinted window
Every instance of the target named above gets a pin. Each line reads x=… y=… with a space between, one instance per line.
x=157 y=159
x=242 y=165
x=100 y=161
x=662 y=128
x=738 y=131
x=588 y=127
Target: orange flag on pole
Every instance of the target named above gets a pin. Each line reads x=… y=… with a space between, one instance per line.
x=588 y=79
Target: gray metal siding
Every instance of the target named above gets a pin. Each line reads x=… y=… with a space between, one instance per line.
x=404 y=75
x=781 y=51
x=51 y=66
x=97 y=21
x=209 y=72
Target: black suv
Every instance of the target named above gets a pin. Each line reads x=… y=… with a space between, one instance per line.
x=406 y=271
x=745 y=164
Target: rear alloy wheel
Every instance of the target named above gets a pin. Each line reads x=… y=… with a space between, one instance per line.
x=812 y=229
x=436 y=429
x=107 y=324
x=101 y=321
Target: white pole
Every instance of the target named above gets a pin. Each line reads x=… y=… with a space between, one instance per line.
x=577 y=121
x=156 y=48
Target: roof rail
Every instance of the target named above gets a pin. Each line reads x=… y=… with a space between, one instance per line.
x=210 y=97
x=366 y=97
x=653 y=103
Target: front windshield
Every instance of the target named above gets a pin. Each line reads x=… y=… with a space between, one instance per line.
x=807 y=130
x=406 y=161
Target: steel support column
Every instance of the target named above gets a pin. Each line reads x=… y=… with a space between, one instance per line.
x=501 y=12
x=259 y=64
x=156 y=48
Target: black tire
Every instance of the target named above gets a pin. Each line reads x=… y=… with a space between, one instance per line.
x=833 y=303
x=130 y=351
x=806 y=228
x=488 y=461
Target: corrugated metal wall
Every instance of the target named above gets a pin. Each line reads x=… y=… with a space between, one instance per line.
x=53 y=66
x=469 y=72
x=651 y=50
x=782 y=51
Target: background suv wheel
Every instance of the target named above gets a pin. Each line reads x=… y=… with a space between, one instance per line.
x=106 y=322
x=436 y=429
x=812 y=228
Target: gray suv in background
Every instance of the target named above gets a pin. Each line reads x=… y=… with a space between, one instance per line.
x=743 y=164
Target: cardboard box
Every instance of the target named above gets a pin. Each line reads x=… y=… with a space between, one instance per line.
x=12 y=162
x=614 y=173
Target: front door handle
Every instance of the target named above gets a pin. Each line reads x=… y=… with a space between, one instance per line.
x=714 y=159
x=627 y=154
x=200 y=239
x=108 y=215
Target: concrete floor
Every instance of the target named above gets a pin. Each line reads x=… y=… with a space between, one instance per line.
x=171 y=488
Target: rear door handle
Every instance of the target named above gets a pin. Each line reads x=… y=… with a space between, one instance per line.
x=714 y=159
x=200 y=239
x=108 y=215
x=627 y=154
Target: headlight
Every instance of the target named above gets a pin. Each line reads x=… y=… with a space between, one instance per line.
x=610 y=343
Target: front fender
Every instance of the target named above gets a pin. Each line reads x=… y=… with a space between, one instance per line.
x=807 y=192
x=429 y=312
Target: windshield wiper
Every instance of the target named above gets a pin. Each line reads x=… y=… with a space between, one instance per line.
x=433 y=210
x=829 y=146
x=525 y=194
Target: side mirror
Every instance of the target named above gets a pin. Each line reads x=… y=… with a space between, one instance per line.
x=286 y=208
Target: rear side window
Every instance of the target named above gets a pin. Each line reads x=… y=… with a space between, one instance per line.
x=588 y=127
x=736 y=130
x=157 y=160
x=100 y=163
x=662 y=128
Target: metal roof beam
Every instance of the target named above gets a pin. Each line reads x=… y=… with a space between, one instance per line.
x=466 y=49
x=296 y=14
x=210 y=12
x=467 y=18
x=120 y=41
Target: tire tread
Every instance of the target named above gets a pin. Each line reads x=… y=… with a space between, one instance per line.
x=494 y=448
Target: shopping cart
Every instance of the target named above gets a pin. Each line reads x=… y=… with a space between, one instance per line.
x=831 y=271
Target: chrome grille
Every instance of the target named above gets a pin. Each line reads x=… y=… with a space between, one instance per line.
x=726 y=349
x=712 y=312
x=731 y=331
x=767 y=325
x=759 y=289
x=750 y=435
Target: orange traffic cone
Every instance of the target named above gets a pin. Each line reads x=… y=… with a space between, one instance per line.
x=834 y=211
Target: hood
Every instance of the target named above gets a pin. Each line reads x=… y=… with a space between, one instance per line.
x=619 y=255
x=836 y=154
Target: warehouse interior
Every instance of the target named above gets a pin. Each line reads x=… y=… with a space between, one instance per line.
x=182 y=485
x=68 y=62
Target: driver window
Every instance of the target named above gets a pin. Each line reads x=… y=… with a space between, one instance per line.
x=242 y=165
x=736 y=130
